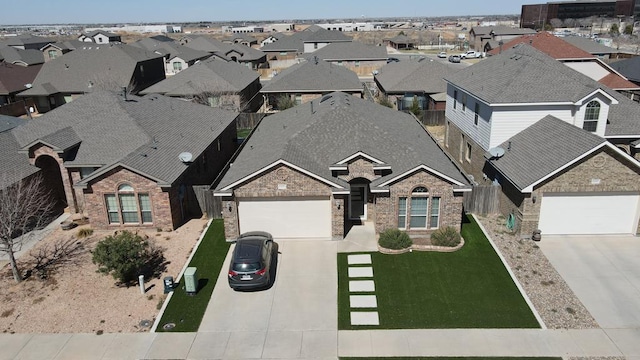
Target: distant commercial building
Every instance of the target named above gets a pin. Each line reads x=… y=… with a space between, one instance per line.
x=348 y=27
x=163 y=29
x=536 y=15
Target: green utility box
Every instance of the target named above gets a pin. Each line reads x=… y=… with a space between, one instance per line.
x=190 y=281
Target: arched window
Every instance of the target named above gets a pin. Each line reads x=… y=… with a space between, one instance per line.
x=419 y=205
x=418 y=209
x=591 y=116
x=127 y=207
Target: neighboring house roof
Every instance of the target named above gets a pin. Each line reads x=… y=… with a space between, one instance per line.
x=624 y=118
x=348 y=51
x=322 y=35
x=78 y=71
x=146 y=134
x=589 y=45
x=14 y=78
x=500 y=30
x=15 y=166
x=293 y=42
x=26 y=39
x=548 y=43
x=630 y=68
x=18 y=56
x=314 y=76
x=523 y=75
x=242 y=37
x=65 y=45
x=171 y=49
x=541 y=149
x=417 y=75
x=331 y=129
x=401 y=39
x=222 y=50
x=103 y=32
x=212 y=76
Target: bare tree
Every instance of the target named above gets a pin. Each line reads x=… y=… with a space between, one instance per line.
x=24 y=206
x=556 y=23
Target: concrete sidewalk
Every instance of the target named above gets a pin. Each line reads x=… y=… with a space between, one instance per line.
x=218 y=345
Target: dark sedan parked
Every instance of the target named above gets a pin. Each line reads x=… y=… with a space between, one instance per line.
x=251 y=261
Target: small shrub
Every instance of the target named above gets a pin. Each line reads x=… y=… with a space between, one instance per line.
x=447 y=236
x=395 y=239
x=284 y=102
x=84 y=232
x=384 y=101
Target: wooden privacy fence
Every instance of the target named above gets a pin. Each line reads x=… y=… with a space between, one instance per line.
x=17 y=108
x=209 y=204
x=248 y=120
x=432 y=117
x=483 y=200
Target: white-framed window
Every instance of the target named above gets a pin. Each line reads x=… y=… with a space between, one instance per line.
x=127 y=207
x=298 y=99
x=464 y=102
x=477 y=115
x=52 y=54
x=455 y=99
x=467 y=152
x=591 y=115
x=419 y=206
x=434 y=221
x=402 y=212
x=177 y=66
x=357 y=63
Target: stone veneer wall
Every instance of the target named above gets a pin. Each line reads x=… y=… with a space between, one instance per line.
x=386 y=207
x=452 y=146
x=109 y=182
x=609 y=167
x=41 y=150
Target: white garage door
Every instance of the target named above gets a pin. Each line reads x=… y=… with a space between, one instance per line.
x=589 y=213
x=287 y=217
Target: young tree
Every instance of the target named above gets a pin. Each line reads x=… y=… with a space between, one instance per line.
x=555 y=22
x=24 y=206
x=415 y=107
x=614 y=30
x=628 y=29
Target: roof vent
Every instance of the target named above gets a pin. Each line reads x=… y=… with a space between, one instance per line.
x=325 y=98
x=185 y=157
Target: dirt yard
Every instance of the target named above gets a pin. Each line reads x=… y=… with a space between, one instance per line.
x=74 y=298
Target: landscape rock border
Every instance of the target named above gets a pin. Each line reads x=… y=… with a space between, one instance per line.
x=444 y=249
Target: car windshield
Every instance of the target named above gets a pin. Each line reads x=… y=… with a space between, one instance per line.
x=246 y=266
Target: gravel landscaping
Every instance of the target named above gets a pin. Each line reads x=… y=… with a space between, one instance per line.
x=557 y=305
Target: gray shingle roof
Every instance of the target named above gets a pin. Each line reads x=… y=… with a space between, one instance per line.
x=589 y=45
x=624 y=118
x=27 y=39
x=144 y=133
x=323 y=35
x=9 y=122
x=15 y=166
x=14 y=78
x=222 y=50
x=92 y=64
x=630 y=68
x=418 y=75
x=29 y=56
x=314 y=76
x=293 y=42
x=501 y=30
x=541 y=149
x=172 y=49
x=211 y=75
x=326 y=131
x=524 y=74
x=352 y=50
x=67 y=45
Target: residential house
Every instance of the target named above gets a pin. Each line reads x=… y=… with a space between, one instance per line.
x=15 y=79
x=593 y=47
x=176 y=57
x=55 y=50
x=400 y=42
x=284 y=52
x=128 y=161
x=242 y=39
x=419 y=79
x=360 y=58
x=111 y=66
x=250 y=57
x=100 y=37
x=313 y=171
x=479 y=36
x=27 y=42
x=309 y=80
x=561 y=179
x=576 y=59
x=320 y=38
x=20 y=57
x=495 y=99
x=215 y=82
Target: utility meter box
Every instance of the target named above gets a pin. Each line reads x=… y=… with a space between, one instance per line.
x=168 y=284
x=190 y=281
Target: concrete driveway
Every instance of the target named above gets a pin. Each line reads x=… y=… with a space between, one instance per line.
x=296 y=318
x=604 y=272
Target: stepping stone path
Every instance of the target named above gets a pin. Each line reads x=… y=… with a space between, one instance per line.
x=361 y=301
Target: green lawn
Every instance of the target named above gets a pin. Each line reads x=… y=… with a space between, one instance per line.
x=186 y=311
x=469 y=288
x=242 y=133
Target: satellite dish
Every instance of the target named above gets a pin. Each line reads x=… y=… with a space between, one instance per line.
x=496 y=152
x=185 y=157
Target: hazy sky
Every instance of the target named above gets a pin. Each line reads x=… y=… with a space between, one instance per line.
x=130 y=11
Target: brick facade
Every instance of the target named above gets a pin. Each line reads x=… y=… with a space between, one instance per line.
x=43 y=150
x=455 y=143
x=615 y=173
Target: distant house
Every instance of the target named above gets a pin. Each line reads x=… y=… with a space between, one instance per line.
x=309 y=80
x=214 y=82
x=55 y=50
x=15 y=79
x=100 y=37
x=21 y=57
x=176 y=57
x=242 y=39
x=284 y=52
x=592 y=47
x=27 y=42
x=95 y=66
x=577 y=59
x=479 y=36
x=360 y=58
x=400 y=42
x=250 y=57
x=313 y=171
x=142 y=174
x=321 y=38
x=414 y=80
x=630 y=68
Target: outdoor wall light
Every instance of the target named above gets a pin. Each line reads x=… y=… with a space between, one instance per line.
x=229 y=207
x=534 y=198
x=338 y=204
